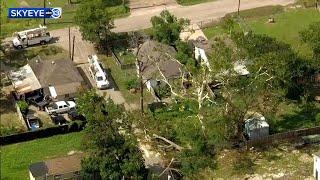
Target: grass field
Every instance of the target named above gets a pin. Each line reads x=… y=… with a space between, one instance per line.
x=16 y=158
x=286 y=28
x=9 y=26
x=282 y=162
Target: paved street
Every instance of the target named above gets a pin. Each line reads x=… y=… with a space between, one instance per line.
x=140 y=19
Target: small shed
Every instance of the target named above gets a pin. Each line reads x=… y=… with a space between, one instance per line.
x=256 y=126
x=316 y=165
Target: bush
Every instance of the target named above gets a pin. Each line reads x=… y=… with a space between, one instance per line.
x=23 y=105
x=4 y=131
x=132 y=83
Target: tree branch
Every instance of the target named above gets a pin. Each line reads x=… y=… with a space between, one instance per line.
x=179 y=148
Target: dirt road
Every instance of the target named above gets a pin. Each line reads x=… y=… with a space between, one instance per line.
x=140 y=19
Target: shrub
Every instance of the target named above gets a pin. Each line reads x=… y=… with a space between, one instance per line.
x=132 y=83
x=23 y=105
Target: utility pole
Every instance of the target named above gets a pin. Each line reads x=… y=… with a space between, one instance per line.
x=239 y=7
x=44 y=18
x=141 y=86
x=69 y=43
x=73 y=48
x=140 y=76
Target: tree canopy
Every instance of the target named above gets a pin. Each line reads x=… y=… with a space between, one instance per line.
x=166 y=27
x=113 y=151
x=94 y=21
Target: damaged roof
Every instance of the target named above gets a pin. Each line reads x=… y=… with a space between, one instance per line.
x=153 y=54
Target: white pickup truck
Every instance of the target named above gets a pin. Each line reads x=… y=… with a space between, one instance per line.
x=60 y=107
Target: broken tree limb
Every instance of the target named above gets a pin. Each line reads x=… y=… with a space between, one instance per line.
x=179 y=148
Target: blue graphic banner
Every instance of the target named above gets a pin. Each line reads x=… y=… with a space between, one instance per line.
x=50 y=13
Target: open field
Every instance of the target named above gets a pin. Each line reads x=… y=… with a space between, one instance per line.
x=9 y=26
x=16 y=158
x=286 y=28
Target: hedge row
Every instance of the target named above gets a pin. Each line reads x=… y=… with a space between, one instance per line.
x=74 y=126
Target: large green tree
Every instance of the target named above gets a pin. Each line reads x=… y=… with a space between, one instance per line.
x=95 y=21
x=166 y=27
x=112 y=149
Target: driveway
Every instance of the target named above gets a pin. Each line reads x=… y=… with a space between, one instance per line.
x=81 y=49
x=205 y=12
x=111 y=93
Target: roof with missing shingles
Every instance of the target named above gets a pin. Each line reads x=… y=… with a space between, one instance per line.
x=154 y=56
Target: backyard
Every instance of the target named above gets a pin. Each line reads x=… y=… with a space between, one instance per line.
x=288 y=24
x=279 y=162
x=16 y=158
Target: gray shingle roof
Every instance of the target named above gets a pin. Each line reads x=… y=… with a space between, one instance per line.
x=153 y=54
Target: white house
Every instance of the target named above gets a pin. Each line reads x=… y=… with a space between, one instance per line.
x=316 y=166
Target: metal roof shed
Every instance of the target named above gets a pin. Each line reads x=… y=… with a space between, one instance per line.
x=256 y=127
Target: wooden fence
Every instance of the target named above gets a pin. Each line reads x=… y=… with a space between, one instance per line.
x=281 y=137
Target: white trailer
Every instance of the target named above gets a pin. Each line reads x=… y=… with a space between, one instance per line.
x=31 y=37
x=97 y=72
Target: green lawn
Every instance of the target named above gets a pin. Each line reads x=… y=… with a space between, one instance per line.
x=16 y=158
x=291 y=116
x=122 y=77
x=286 y=28
x=9 y=26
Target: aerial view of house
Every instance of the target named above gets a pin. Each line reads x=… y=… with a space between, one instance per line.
x=160 y=89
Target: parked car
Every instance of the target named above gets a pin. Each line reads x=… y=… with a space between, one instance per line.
x=33 y=122
x=58 y=119
x=38 y=101
x=74 y=115
x=60 y=107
